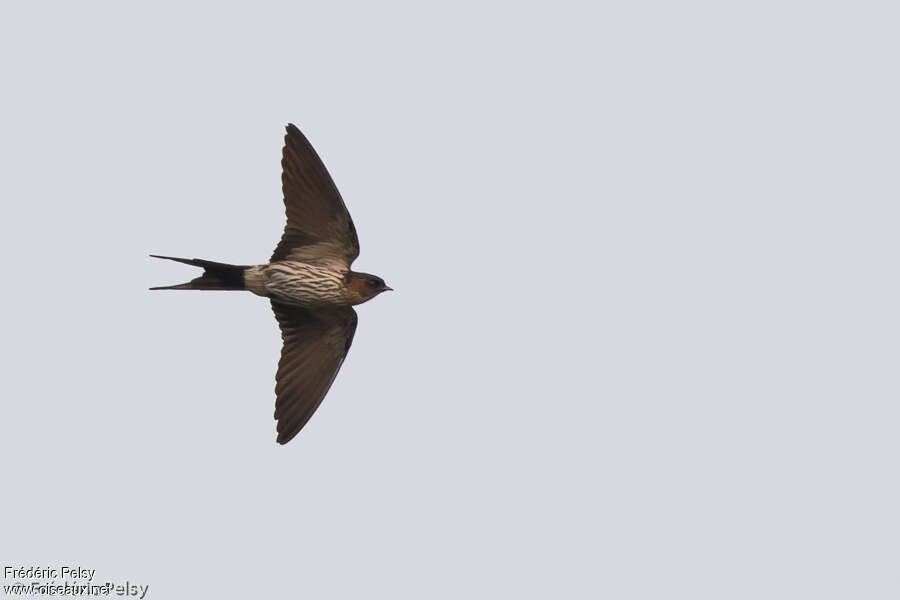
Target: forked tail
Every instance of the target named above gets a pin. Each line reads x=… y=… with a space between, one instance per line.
x=216 y=276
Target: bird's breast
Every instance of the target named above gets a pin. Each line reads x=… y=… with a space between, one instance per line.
x=304 y=284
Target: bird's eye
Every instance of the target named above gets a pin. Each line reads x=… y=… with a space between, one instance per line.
x=373 y=283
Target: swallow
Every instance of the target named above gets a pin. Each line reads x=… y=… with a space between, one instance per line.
x=308 y=282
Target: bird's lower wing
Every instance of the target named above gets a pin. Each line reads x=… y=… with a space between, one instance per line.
x=315 y=344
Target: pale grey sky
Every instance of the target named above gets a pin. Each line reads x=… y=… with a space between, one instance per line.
x=644 y=342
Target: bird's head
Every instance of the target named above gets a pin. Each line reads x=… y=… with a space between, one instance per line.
x=364 y=287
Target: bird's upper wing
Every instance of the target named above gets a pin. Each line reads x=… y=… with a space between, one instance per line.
x=315 y=344
x=319 y=228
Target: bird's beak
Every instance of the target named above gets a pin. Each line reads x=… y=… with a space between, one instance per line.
x=388 y=289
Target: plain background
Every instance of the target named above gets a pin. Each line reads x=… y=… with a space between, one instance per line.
x=644 y=342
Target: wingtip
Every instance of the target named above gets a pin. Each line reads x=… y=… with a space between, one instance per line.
x=284 y=437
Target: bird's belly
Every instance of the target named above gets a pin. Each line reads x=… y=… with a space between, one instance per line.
x=304 y=284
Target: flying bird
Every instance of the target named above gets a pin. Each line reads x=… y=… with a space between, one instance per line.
x=308 y=282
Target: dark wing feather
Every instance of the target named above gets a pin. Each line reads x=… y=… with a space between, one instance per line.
x=319 y=228
x=315 y=344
